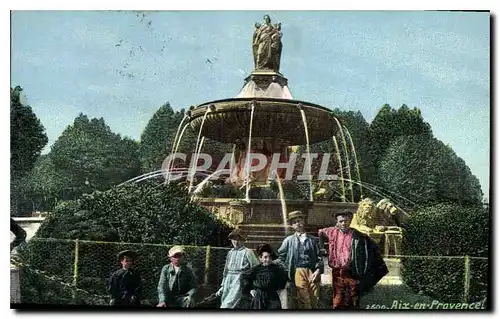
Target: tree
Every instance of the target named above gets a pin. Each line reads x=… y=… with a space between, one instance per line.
x=424 y=170
x=27 y=135
x=88 y=156
x=44 y=185
x=27 y=139
x=390 y=124
x=158 y=137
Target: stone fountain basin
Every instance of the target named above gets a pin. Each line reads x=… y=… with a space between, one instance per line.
x=267 y=213
x=229 y=120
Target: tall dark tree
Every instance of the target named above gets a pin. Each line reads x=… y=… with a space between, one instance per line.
x=44 y=185
x=424 y=170
x=158 y=137
x=27 y=135
x=27 y=139
x=90 y=157
x=390 y=124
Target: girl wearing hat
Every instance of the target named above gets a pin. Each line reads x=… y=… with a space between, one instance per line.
x=264 y=281
x=239 y=260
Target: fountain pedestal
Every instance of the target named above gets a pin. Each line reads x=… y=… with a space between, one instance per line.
x=262 y=219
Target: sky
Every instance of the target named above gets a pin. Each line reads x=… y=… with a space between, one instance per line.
x=123 y=65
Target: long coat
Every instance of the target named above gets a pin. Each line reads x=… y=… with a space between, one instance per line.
x=239 y=260
x=266 y=281
x=367 y=264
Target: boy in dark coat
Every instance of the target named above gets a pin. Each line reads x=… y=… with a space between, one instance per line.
x=125 y=284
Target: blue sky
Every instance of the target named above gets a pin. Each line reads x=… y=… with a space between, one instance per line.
x=73 y=61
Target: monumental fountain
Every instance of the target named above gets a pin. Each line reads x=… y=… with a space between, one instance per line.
x=264 y=119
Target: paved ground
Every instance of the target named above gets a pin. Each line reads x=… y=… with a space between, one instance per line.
x=393 y=297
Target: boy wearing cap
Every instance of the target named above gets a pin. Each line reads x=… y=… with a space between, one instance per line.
x=177 y=284
x=355 y=259
x=125 y=284
x=299 y=254
x=239 y=260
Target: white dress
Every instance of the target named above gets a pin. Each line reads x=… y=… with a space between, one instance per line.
x=238 y=261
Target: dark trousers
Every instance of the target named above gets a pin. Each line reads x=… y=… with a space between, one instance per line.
x=125 y=302
x=345 y=290
x=18 y=232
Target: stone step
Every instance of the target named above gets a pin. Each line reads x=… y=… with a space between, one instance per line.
x=273 y=236
x=253 y=244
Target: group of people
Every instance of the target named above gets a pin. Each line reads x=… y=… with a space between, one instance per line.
x=286 y=279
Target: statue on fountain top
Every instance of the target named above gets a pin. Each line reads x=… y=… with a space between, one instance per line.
x=267 y=46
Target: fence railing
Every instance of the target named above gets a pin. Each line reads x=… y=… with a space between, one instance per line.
x=58 y=271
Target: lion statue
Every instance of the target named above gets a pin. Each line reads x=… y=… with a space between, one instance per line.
x=380 y=221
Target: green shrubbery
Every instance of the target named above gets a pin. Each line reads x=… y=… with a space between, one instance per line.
x=447 y=230
x=138 y=213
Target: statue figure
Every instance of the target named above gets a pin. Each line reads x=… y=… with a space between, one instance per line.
x=378 y=218
x=381 y=222
x=267 y=46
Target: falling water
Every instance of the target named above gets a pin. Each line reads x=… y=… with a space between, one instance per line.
x=200 y=186
x=348 y=161
x=385 y=192
x=337 y=151
x=308 y=155
x=155 y=175
x=141 y=176
x=176 y=137
x=355 y=160
x=195 y=163
x=201 y=145
x=177 y=133
x=167 y=179
x=380 y=194
x=284 y=212
x=247 y=173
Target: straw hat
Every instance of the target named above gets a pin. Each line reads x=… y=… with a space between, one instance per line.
x=237 y=233
x=175 y=250
x=296 y=214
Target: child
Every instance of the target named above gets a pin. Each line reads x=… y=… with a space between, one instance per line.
x=264 y=281
x=239 y=260
x=125 y=283
x=177 y=285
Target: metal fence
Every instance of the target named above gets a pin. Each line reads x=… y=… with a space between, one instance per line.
x=57 y=271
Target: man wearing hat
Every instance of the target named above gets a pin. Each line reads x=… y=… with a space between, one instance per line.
x=177 y=284
x=239 y=260
x=355 y=259
x=125 y=283
x=299 y=254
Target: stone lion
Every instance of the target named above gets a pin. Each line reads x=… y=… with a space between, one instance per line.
x=380 y=217
x=381 y=222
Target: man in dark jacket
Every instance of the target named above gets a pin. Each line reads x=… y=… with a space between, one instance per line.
x=356 y=263
x=125 y=284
